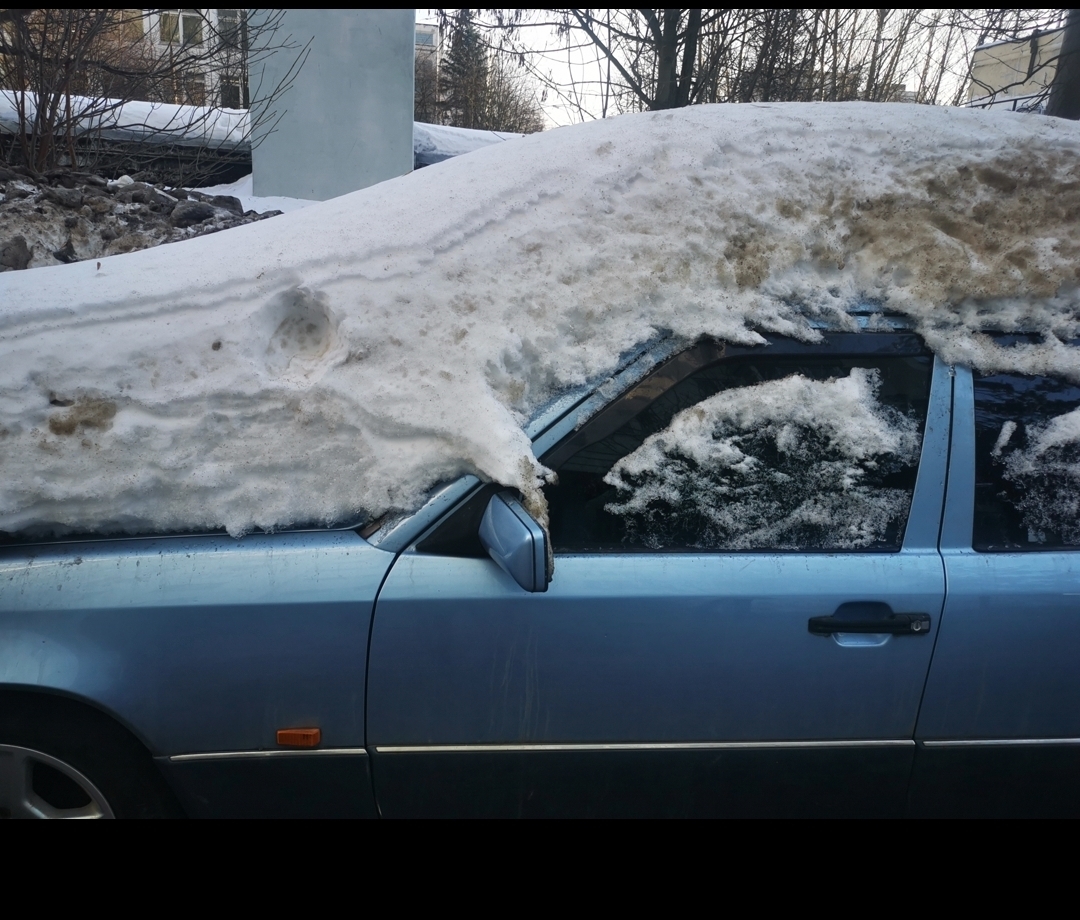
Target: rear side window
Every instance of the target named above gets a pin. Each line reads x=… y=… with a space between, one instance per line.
x=1027 y=464
x=814 y=452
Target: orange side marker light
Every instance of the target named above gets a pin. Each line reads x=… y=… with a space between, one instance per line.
x=299 y=737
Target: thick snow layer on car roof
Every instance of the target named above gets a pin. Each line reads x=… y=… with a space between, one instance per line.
x=342 y=359
x=158 y=122
x=440 y=142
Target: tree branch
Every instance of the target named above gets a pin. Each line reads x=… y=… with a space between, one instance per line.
x=632 y=83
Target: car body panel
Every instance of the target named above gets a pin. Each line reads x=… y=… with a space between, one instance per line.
x=999 y=727
x=650 y=656
x=198 y=644
x=639 y=684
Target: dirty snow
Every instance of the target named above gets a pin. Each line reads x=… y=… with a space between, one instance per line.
x=44 y=223
x=788 y=463
x=340 y=360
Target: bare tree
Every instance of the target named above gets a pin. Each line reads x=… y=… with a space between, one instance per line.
x=426 y=90
x=71 y=76
x=512 y=104
x=663 y=58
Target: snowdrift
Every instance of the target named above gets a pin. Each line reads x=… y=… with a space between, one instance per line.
x=336 y=362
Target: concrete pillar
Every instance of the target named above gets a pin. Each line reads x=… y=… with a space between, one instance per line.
x=347 y=121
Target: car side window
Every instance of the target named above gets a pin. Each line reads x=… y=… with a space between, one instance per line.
x=802 y=449
x=1027 y=464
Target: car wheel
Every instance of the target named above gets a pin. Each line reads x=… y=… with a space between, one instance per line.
x=34 y=784
x=59 y=761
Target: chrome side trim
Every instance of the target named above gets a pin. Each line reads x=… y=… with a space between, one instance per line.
x=999 y=742
x=248 y=755
x=659 y=746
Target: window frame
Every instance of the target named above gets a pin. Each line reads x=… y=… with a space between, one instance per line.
x=176 y=31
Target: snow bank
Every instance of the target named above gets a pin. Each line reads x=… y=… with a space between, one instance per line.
x=344 y=358
x=435 y=143
x=787 y=463
x=243 y=190
x=152 y=122
x=196 y=125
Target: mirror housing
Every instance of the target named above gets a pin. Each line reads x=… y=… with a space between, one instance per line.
x=515 y=541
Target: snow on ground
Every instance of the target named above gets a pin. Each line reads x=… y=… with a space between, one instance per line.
x=242 y=189
x=342 y=359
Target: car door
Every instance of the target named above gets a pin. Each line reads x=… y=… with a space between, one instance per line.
x=999 y=731
x=671 y=667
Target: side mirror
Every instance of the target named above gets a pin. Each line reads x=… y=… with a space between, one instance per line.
x=515 y=541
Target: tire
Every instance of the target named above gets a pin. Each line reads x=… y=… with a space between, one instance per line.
x=64 y=760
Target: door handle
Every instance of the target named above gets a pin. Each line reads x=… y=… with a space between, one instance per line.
x=870 y=618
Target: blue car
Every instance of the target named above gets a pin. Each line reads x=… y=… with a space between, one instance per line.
x=826 y=579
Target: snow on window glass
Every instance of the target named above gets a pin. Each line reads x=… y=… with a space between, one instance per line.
x=1048 y=474
x=1027 y=469
x=794 y=463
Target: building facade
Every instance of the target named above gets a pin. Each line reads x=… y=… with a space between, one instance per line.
x=1015 y=74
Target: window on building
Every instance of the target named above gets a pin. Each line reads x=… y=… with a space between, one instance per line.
x=169 y=28
x=230 y=94
x=194 y=90
x=131 y=25
x=177 y=25
x=229 y=28
x=427 y=41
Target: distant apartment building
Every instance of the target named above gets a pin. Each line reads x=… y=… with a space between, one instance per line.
x=219 y=36
x=183 y=56
x=212 y=43
x=1015 y=74
x=427 y=42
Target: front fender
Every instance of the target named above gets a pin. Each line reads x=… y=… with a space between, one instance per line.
x=198 y=644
